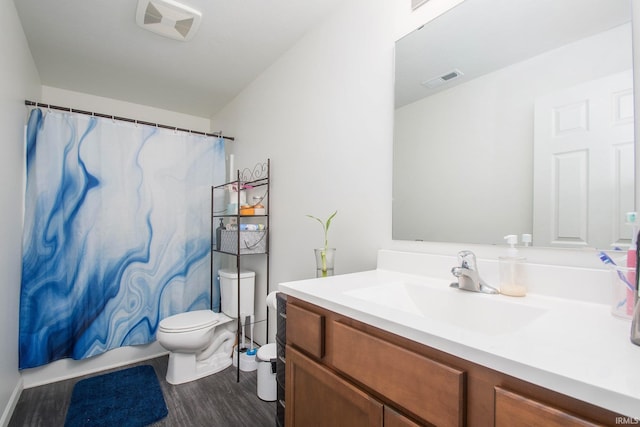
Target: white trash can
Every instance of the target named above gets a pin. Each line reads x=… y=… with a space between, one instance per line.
x=266 y=359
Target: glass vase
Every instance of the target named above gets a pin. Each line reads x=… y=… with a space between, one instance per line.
x=325 y=261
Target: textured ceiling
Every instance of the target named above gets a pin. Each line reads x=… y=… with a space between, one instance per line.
x=95 y=47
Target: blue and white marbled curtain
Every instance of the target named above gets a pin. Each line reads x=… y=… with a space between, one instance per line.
x=116 y=233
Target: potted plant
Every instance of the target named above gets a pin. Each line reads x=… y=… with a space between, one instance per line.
x=325 y=255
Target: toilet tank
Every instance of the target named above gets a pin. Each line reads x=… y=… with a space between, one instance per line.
x=229 y=291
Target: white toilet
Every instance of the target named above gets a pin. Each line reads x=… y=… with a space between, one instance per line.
x=200 y=344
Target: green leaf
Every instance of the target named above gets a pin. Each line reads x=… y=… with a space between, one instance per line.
x=325 y=226
x=329 y=220
x=317 y=219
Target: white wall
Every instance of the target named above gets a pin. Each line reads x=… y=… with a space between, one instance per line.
x=323 y=115
x=98 y=104
x=18 y=79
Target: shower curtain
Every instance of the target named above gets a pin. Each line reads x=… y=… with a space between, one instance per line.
x=116 y=233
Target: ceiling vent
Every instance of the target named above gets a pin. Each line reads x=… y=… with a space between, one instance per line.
x=168 y=18
x=445 y=78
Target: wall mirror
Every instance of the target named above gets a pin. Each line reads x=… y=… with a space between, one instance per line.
x=516 y=117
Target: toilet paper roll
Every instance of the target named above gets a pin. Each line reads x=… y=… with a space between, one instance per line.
x=271 y=300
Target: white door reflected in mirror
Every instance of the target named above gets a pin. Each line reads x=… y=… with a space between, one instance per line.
x=583 y=164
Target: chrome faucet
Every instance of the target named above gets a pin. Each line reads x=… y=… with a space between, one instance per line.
x=468 y=277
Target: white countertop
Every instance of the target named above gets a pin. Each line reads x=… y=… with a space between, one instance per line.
x=574 y=347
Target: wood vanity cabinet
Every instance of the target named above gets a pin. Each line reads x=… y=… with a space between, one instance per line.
x=317 y=396
x=514 y=410
x=342 y=372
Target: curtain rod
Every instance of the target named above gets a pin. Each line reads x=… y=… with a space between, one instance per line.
x=125 y=119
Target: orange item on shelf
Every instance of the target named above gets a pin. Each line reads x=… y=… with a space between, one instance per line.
x=246 y=210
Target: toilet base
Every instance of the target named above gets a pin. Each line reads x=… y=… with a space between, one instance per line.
x=184 y=368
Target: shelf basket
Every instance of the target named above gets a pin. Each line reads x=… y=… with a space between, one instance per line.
x=251 y=242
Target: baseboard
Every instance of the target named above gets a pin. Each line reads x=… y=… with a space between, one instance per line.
x=11 y=405
x=67 y=368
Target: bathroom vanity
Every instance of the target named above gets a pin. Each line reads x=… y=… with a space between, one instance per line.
x=389 y=348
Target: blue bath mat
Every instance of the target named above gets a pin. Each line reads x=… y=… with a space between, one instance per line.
x=131 y=397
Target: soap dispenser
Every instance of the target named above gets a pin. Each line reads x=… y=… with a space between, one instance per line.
x=512 y=276
x=219 y=235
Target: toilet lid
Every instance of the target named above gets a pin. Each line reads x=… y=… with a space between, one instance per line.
x=189 y=321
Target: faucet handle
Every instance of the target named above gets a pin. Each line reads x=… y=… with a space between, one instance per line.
x=468 y=277
x=467 y=259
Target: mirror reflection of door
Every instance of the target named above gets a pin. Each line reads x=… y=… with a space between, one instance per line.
x=584 y=163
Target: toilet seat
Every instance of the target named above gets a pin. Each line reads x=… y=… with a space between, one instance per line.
x=189 y=321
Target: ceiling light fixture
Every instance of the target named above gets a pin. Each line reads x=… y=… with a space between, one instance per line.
x=168 y=18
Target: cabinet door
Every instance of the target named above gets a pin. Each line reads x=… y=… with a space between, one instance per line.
x=514 y=410
x=316 y=396
x=430 y=390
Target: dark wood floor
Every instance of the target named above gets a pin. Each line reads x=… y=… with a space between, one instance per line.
x=216 y=400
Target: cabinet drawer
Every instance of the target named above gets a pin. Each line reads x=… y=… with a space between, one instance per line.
x=305 y=330
x=424 y=387
x=513 y=410
x=394 y=419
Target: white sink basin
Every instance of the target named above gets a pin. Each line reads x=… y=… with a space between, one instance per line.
x=487 y=314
